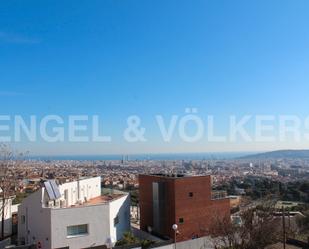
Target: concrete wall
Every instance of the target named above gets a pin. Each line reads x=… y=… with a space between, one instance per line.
x=119 y=208
x=5 y=243
x=200 y=243
x=97 y=218
x=142 y=235
x=80 y=190
x=8 y=211
x=100 y=221
x=37 y=225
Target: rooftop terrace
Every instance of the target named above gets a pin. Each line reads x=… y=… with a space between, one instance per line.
x=176 y=175
x=103 y=199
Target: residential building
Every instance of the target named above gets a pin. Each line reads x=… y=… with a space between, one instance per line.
x=179 y=199
x=73 y=215
x=235 y=201
x=9 y=210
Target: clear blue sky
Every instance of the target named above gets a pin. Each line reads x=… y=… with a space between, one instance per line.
x=121 y=57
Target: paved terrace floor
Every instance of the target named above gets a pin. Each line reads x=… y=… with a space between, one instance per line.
x=99 y=200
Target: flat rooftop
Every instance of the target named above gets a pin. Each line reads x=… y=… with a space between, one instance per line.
x=103 y=199
x=174 y=175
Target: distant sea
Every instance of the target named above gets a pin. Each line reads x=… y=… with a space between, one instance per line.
x=143 y=157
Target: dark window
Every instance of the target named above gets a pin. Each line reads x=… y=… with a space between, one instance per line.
x=23 y=219
x=191 y=194
x=181 y=220
x=116 y=220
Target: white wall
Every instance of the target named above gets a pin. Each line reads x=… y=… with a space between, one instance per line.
x=7 y=216
x=37 y=221
x=95 y=216
x=79 y=190
x=121 y=208
x=100 y=220
x=200 y=243
x=14 y=208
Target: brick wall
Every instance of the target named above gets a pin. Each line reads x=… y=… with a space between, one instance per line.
x=188 y=204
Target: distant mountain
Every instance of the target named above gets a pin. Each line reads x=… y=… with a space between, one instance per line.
x=280 y=154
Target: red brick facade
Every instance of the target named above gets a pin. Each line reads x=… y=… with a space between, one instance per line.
x=187 y=202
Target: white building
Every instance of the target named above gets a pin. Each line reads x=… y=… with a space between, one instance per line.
x=73 y=215
x=9 y=210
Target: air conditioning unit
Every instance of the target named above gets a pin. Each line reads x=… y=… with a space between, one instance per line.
x=50 y=204
x=57 y=203
x=63 y=204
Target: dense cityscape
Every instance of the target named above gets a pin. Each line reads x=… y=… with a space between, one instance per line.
x=247 y=183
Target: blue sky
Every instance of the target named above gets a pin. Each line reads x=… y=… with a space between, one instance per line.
x=116 y=58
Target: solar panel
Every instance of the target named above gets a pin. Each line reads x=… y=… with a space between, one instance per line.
x=55 y=189
x=49 y=190
x=52 y=190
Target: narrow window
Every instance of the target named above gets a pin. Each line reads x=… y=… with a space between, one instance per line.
x=191 y=194
x=181 y=220
x=23 y=219
x=116 y=220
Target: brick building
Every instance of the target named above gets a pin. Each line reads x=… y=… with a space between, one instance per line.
x=178 y=199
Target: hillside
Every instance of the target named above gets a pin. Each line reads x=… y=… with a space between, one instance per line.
x=280 y=154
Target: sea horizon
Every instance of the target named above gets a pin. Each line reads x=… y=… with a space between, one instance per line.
x=146 y=157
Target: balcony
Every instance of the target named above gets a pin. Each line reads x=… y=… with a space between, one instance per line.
x=217 y=195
